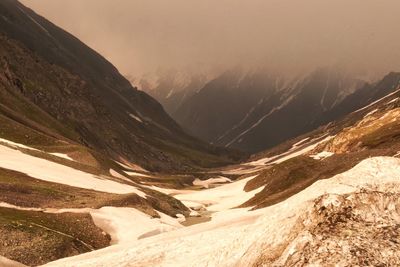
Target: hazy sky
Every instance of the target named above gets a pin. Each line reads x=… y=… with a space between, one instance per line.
x=140 y=36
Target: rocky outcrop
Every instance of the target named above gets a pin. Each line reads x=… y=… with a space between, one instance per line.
x=357 y=229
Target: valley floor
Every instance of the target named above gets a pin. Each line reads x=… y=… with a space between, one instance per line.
x=221 y=232
x=273 y=235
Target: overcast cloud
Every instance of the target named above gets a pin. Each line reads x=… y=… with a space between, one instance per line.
x=141 y=36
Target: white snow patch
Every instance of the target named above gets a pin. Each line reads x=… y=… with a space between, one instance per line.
x=170 y=93
x=123 y=165
x=116 y=174
x=137 y=174
x=131 y=166
x=377 y=101
x=194 y=213
x=236 y=237
x=301 y=151
x=181 y=217
x=16 y=145
x=53 y=172
x=370 y=113
x=136 y=118
x=289 y=154
x=194 y=205
x=322 y=155
x=301 y=142
x=208 y=182
x=219 y=198
x=128 y=224
x=393 y=100
x=10 y=206
x=61 y=155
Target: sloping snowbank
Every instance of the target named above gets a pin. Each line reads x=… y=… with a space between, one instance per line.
x=234 y=238
x=42 y=169
x=128 y=224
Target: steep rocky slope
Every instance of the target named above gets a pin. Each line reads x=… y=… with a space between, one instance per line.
x=53 y=83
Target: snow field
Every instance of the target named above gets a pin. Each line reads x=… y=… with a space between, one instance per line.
x=235 y=237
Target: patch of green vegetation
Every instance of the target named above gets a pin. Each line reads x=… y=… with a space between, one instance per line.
x=34 y=238
x=16 y=132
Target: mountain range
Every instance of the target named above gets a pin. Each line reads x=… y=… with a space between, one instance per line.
x=94 y=172
x=254 y=111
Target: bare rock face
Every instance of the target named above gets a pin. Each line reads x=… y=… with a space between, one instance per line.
x=358 y=229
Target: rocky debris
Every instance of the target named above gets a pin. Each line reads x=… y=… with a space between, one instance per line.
x=358 y=136
x=357 y=229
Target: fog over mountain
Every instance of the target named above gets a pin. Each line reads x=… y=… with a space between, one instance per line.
x=209 y=36
x=297 y=104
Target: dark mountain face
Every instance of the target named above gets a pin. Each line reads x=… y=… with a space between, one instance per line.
x=53 y=83
x=256 y=111
x=173 y=89
x=217 y=107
